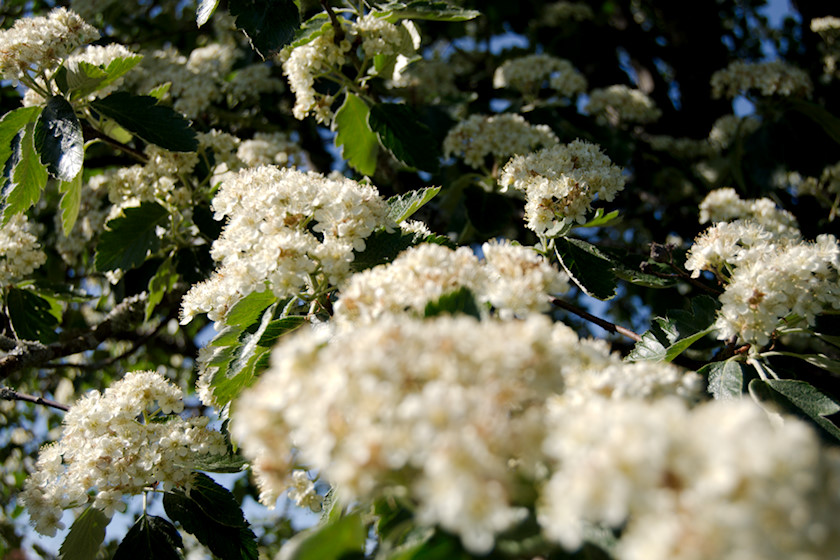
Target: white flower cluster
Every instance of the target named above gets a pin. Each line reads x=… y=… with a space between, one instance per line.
x=561 y=12
x=449 y=412
x=829 y=29
x=527 y=74
x=288 y=231
x=767 y=78
x=269 y=148
x=380 y=37
x=769 y=272
x=501 y=136
x=560 y=184
x=621 y=104
x=35 y=44
x=729 y=127
x=717 y=481
x=428 y=80
x=723 y=205
x=105 y=452
x=20 y=252
x=513 y=279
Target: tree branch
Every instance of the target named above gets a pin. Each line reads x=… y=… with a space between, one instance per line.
x=121 y=319
x=604 y=324
x=8 y=394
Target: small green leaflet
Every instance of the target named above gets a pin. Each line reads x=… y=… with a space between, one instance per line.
x=725 y=379
x=410 y=141
x=150 y=537
x=159 y=284
x=424 y=9
x=71 y=200
x=211 y=513
x=311 y=29
x=342 y=538
x=29 y=177
x=58 y=139
x=588 y=267
x=130 y=237
x=205 y=11
x=87 y=78
x=798 y=396
x=357 y=141
x=600 y=219
x=403 y=206
x=141 y=115
x=269 y=24
x=670 y=336
x=460 y=302
x=86 y=536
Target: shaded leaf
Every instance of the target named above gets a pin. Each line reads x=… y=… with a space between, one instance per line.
x=588 y=267
x=380 y=248
x=217 y=464
x=159 y=284
x=401 y=132
x=357 y=141
x=725 y=379
x=460 y=302
x=269 y=24
x=402 y=207
x=333 y=541
x=817 y=113
x=212 y=514
x=279 y=327
x=157 y=124
x=86 y=535
x=818 y=360
x=311 y=29
x=81 y=81
x=798 y=396
x=33 y=317
x=150 y=537
x=71 y=200
x=129 y=238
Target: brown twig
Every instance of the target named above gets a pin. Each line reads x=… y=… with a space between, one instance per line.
x=121 y=319
x=8 y=394
x=339 y=31
x=604 y=324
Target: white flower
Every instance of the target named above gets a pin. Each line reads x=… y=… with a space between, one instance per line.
x=501 y=136
x=528 y=74
x=20 y=252
x=620 y=103
x=767 y=78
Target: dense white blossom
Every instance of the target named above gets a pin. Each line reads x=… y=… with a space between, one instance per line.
x=717 y=481
x=621 y=104
x=729 y=127
x=501 y=136
x=288 y=231
x=560 y=184
x=38 y=43
x=722 y=205
x=829 y=29
x=20 y=252
x=765 y=78
x=450 y=412
x=529 y=73
x=105 y=452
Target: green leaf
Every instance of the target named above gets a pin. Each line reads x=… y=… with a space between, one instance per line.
x=249 y=309
x=11 y=125
x=639 y=278
x=150 y=537
x=344 y=537
x=801 y=397
x=157 y=124
x=588 y=267
x=725 y=379
x=33 y=317
x=269 y=24
x=401 y=132
x=357 y=141
x=380 y=248
x=402 y=207
x=159 y=284
x=217 y=464
x=80 y=82
x=160 y=91
x=701 y=314
x=71 y=200
x=819 y=360
x=212 y=514
x=461 y=301
x=205 y=11
x=311 y=29
x=29 y=177
x=118 y=68
x=279 y=327
x=600 y=219
x=653 y=348
x=130 y=237
x=86 y=535
x=425 y=9
x=58 y=139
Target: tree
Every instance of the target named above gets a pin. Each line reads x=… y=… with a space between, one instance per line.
x=360 y=250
